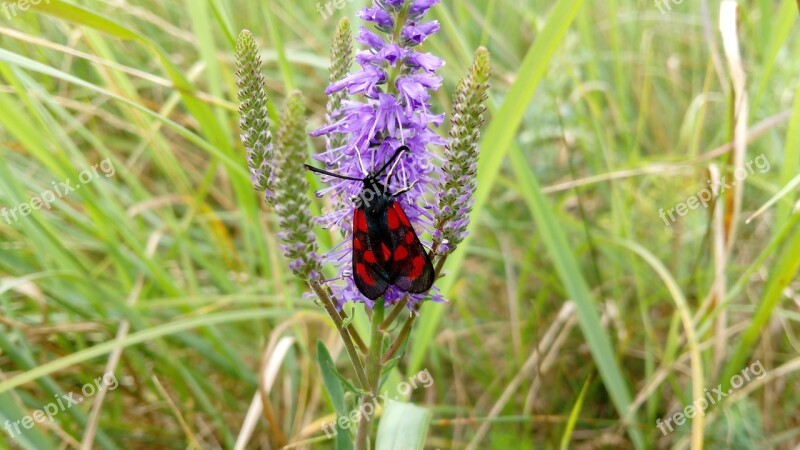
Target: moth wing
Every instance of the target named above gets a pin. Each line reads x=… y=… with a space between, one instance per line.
x=409 y=266
x=369 y=272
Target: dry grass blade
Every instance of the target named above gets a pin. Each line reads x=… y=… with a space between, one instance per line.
x=739 y=110
x=272 y=360
x=565 y=320
x=87 y=443
x=720 y=258
x=187 y=431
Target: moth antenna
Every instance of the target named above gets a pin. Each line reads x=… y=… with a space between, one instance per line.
x=330 y=174
x=397 y=153
x=391 y=171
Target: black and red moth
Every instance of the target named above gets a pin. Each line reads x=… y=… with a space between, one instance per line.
x=386 y=249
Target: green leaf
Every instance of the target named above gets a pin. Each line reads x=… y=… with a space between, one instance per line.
x=33 y=438
x=403 y=427
x=573 y=416
x=569 y=271
x=781 y=274
x=344 y=382
x=331 y=379
x=138 y=337
x=497 y=142
x=333 y=384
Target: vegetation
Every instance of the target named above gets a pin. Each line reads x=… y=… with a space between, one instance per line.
x=132 y=243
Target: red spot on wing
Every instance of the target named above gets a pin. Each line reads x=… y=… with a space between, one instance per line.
x=400 y=253
x=362 y=272
x=357 y=244
x=397 y=209
x=416 y=267
x=361 y=221
x=392 y=219
x=409 y=237
x=370 y=257
x=386 y=252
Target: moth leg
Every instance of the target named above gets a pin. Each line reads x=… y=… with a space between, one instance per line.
x=405 y=189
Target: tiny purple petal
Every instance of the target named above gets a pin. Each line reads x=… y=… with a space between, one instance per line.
x=369 y=38
x=414 y=34
x=368 y=58
x=420 y=7
x=377 y=16
x=414 y=88
x=392 y=53
x=364 y=81
x=413 y=91
x=395 y=4
x=425 y=60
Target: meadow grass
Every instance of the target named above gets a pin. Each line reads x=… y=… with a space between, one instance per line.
x=579 y=316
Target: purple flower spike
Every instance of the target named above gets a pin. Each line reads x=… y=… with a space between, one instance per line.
x=391 y=109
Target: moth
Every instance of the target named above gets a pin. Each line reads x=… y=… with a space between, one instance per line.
x=386 y=249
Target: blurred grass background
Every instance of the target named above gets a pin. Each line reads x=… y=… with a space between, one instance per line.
x=578 y=318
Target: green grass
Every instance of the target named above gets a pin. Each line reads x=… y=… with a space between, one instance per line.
x=601 y=114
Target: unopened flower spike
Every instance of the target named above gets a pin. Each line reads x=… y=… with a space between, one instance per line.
x=253 y=119
x=292 y=204
x=457 y=183
x=341 y=60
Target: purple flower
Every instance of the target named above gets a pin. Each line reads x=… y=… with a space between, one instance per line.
x=415 y=89
x=425 y=60
x=392 y=53
x=415 y=34
x=369 y=38
x=420 y=7
x=379 y=17
x=393 y=5
x=363 y=81
x=392 y=109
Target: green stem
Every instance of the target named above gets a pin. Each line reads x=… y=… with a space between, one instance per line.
x=406 y=330
x=374 y=366
x=400 y=20
x=361 y=374
x=350 y=328
x=396 y=310
x=401 y=338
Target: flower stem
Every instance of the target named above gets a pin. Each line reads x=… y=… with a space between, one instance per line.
x=350 y=328
x=406 y=330
x=361 y=374
x=374 y=366
x=396 y=310
x=400 y=20
x=401 y=338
